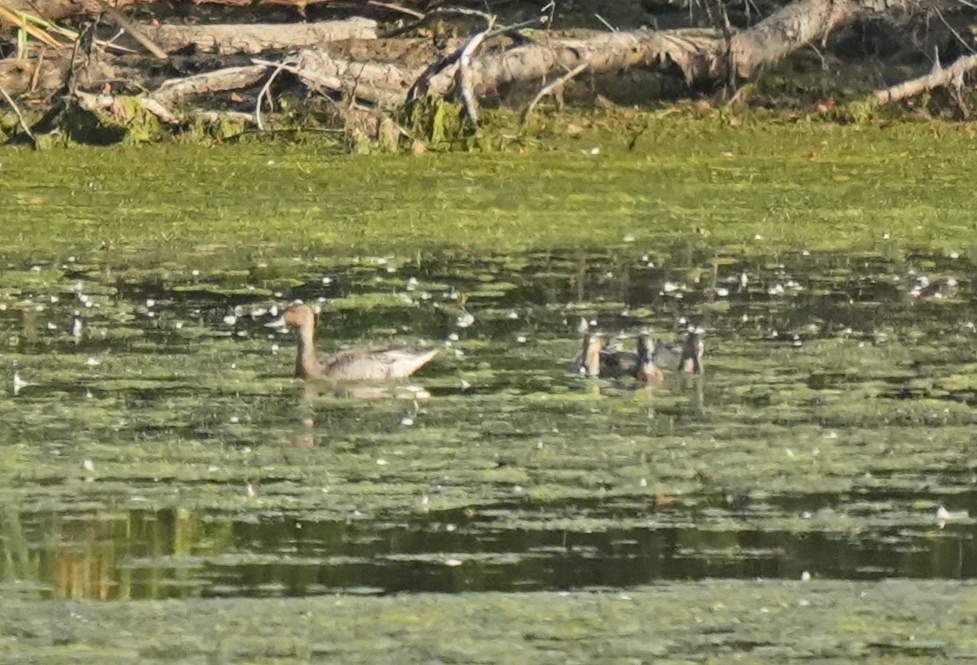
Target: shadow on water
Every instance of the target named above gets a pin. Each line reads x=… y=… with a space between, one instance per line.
x=831 y=435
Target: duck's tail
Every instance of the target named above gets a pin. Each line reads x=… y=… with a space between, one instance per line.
x=408 y=363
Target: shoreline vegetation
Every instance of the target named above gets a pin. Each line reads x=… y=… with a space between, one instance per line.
x=421 y=76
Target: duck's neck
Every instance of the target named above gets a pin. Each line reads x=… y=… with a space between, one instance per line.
x=306 y=364
x=591 y=356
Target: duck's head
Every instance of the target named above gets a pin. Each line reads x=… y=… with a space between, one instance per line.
x=299 y=316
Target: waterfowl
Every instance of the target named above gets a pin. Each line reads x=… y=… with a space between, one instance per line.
x=351 y=365
x=685 y=357
x=645 y=365
x=595 y=360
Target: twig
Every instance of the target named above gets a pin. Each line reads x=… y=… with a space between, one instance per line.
x=956 y=34
x=461 y=11
x=265 y=90
x=464 y=74
x=20 y=116
x=514 y=29
x=137 y=34
x=606 y=24
x=36 y=76
x=547 y=89
x=420 y=85
x=396 y=8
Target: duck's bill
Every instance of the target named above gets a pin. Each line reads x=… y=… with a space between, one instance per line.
x=278 y=324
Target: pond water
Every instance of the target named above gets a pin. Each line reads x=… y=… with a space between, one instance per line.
x=155 y=445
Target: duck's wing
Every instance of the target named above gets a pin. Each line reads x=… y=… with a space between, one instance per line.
x=376 y=364
x=667 y=356
x=615 y=364
x=684 y=357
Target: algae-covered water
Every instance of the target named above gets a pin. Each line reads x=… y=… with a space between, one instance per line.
x=156 y=452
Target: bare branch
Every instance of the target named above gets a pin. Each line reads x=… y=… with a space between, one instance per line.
x=945 y=76
x=547 y=89
x=20 y=116
x=464 y=79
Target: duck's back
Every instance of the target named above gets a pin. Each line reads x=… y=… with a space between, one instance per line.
x=375 y=365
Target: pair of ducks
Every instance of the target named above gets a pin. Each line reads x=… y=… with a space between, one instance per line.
x=647 y=364
x=359 y=364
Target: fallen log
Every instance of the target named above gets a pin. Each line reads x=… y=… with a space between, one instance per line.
x=952 y=76
x=383 y=84
x=176 y=91
x=255 y=38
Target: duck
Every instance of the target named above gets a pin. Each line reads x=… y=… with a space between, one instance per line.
x=647 y=364
x=352 y=364
x=685 y=357
x=596 y=361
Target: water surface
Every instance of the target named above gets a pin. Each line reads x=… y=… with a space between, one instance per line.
x=158 y=447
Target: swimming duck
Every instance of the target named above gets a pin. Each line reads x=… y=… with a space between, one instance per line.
x=645 y=365
x=685 y=357
x=595 y=360
x=351 y=365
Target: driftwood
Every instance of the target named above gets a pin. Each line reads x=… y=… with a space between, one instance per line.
x=176 y=91
x=951 y=76
x=254 y=38
x=384 y=84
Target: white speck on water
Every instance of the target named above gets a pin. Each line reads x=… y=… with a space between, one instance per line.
x=230 y=319
x=406 y=421
x=92 y=361
x=150 y=302
x=88 y=465
x=382 y=462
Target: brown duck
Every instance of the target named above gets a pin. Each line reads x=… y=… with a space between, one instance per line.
x=350 y=365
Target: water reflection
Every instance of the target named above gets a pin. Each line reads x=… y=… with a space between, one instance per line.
x=178 y=553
